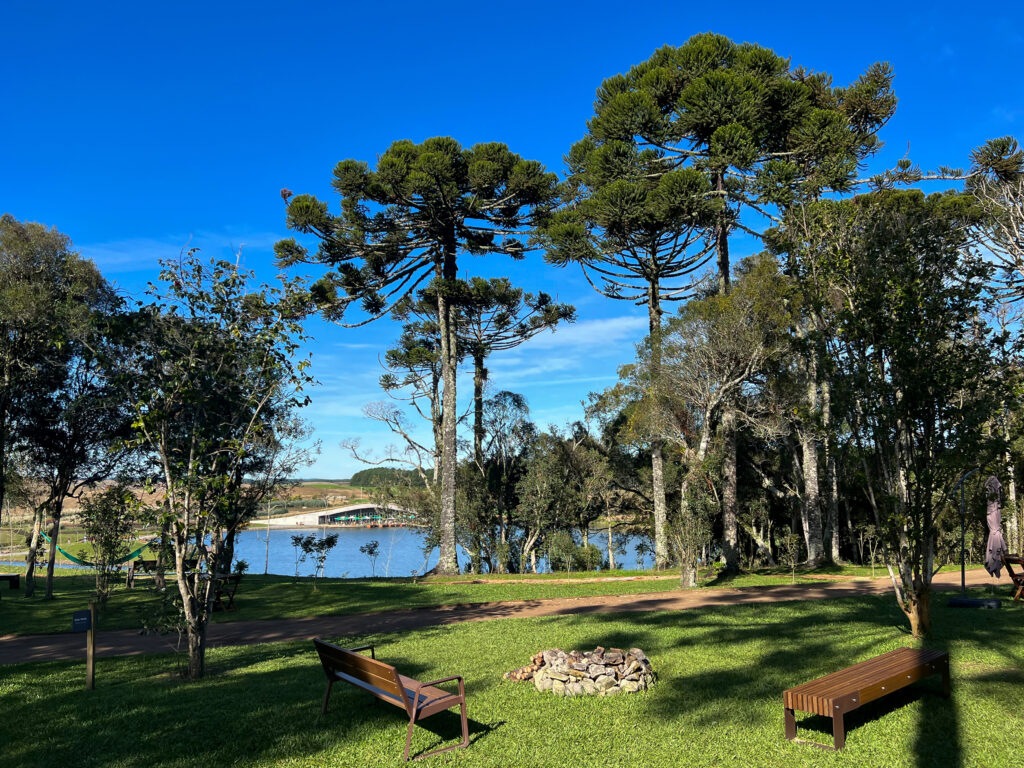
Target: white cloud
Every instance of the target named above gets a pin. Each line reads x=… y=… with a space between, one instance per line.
x=142 y=253
x=595 y=335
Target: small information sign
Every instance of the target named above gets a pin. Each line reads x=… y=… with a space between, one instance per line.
x=81 y=621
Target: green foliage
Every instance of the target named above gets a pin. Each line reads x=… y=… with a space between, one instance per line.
x=399 y=222
x=913 y=357
x=378 y=476
x=211 y=378
x=371 y=549
x=318 y=548
x=108 y=520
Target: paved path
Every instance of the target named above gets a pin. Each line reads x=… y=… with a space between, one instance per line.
x=24 y=648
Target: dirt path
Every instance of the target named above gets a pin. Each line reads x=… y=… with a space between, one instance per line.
x=23 y=648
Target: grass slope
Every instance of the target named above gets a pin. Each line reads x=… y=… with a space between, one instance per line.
x=717 y=702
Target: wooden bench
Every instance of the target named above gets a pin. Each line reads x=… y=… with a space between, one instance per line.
x=224 y=587
x=844 y=691
x=1016 y=578
x=419 y=700
x=13 y=580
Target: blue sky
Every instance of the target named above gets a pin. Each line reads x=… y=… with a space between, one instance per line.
x=140 y=128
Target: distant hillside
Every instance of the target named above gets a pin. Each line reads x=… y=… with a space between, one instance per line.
x=378 y=476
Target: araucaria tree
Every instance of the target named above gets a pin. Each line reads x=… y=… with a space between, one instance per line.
x=403 y=225
x=211 y=379
x=638 y=236
x=761 y=133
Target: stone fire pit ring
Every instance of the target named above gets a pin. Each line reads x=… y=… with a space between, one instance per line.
x=597 y=673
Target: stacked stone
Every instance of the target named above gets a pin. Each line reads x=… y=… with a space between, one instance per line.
x=598 y=673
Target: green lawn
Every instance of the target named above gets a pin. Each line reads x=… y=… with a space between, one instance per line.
x=717 y=702
x=281 y=597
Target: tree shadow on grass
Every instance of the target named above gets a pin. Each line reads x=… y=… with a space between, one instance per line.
x=807 y=645
x=263 y=705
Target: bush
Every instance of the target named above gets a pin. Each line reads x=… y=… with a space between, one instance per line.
x=588 y=558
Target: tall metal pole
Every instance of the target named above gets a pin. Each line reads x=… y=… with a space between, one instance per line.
x=963 y=532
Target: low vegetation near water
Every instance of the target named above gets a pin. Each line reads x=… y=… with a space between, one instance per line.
x=718 y=699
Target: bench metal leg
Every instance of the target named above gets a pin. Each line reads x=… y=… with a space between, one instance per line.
x=946 y=685
x=838 y=731
x=461 y=745
x=408 y=738
x=327 y=697
x=790 y=724
x=465 y=725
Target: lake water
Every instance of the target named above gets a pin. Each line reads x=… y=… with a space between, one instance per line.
x=400 y=552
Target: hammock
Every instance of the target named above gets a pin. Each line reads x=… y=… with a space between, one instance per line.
x=79 y=561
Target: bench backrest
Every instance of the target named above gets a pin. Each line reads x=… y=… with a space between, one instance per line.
x=384 y=677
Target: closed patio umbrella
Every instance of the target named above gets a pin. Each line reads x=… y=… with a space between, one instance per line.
x=996 y=546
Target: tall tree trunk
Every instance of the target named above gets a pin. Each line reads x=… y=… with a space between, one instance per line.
x=1013 y=520
x=448 y=563
x=730 y=526
x=730 y=531
x=654 y=313
x=33 y=551
x=811 y=508
x=611 y=549
x=479 y=377
x=51 y=559
x=831 y=479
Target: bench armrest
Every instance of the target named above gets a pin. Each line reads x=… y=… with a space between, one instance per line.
x=462 y=685
x=364 y=648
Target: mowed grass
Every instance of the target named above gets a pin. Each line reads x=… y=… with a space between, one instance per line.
x=718 y=700
x=282 y=597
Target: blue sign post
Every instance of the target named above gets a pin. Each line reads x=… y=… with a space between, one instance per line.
x=85 y=621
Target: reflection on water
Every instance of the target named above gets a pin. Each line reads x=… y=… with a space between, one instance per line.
x=400 y=552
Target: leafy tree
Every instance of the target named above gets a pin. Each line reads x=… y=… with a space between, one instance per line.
x=56 y=412
x=403 y=225
x=496 y=316
x=916 y=363
x=212 y=378
x=317 y=548
x=371 y=549
x=998 y=183
x=76 y=438
x=716 y=353
x=109 y=521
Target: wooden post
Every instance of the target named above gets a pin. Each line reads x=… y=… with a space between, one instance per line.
x=90 y=650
